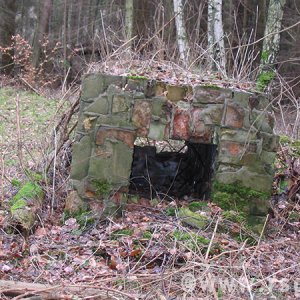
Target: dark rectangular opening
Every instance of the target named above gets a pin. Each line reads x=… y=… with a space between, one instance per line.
x=185 y=172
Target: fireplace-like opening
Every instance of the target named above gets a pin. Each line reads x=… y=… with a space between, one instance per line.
x=184 y=172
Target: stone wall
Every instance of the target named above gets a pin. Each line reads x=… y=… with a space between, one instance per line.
x=114 y=110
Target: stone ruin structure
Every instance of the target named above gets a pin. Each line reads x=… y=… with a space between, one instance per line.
x=231 y=130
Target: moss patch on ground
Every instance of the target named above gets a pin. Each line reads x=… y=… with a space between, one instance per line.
x=29 y=191
x=102 y=187
x=242 y=205
x=192 y=219
x=234 y=196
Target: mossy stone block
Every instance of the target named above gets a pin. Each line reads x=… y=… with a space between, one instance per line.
x=268 y=157
x=237 y=135
x=81 y=157
x=74 y=203
x=212 y=114
x=25 y=204
x=247 y=178
x=210 y=94
x=241 y=98
x=95 y=84
x=176 y=93
x=157 y=131
x=117 y=168
x=158 y=106
x=262 y=121
x=193 y=219
x=120 y=103
x=270 y=141
x=137 y=84
x=100 y=105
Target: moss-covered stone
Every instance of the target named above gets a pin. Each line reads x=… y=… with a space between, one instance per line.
x=137 y=84
x=234 y=216
x=241 y=204
x=209 y=94
x=102 y=187
x=262 y=120
x=176 y=93
x=193 y=219
x=95 y=84
x=100 y=105
x=25 y=204
x=115 y=169
x=74 y=203
x=245 y=177
x=198 y=205
x=241 y=98
x=157 y=131
x=81 y=157
x=120 y=103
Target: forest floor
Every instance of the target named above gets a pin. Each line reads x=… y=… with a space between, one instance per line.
x=147 y=253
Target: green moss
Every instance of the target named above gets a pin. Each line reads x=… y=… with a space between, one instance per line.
x=122 y=232
x=264 y=56
x=20 y=203
x=194 y=242
x=29 y=190
x=171 y=211
x=294 y=216
x=263 y=80
x=233 y=197
x=137 y=77
x=15 y=182
x=284 y=139
x=33 y=176
x=230 y=196
x=234 y=216
x=197 y=205
x=147 y=235
x=102 y=187
x=83 y=217
x=211 y=86
x=189 y=236
x=193 y=219
x=237 y=203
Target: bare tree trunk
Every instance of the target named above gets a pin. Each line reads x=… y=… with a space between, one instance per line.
x=215 y=37
x=7 y=30
x=65 y=36
x=79 y=21
x=272 y=35
x=181 y=31
x=271 y=44
x=42 y=29
x=129 y=19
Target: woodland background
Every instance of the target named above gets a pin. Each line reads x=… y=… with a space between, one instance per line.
x=77 y=33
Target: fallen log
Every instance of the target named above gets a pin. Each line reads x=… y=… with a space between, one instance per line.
x=35 y=291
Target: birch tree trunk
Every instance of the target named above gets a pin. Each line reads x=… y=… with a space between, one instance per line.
x=271 y=44
x=215 y=37
x=181 y=31
x=272 y=36
x=128 y=19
